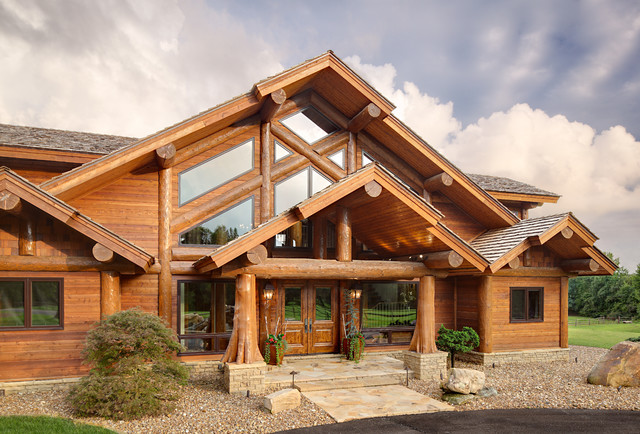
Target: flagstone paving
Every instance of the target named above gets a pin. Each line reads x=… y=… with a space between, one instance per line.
x=364 y=402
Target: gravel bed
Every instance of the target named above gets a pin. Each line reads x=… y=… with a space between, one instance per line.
x=206 y=407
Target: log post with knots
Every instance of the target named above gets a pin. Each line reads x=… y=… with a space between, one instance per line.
x=423 y=340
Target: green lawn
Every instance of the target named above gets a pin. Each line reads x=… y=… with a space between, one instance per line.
x=46 y=424
x=601 y=335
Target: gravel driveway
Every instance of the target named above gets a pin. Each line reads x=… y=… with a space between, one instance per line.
x=205 y=407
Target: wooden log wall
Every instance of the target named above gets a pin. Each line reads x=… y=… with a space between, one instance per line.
x=44 y=354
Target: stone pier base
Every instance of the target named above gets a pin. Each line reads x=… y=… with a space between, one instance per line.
x=427 y=366
x=240 y=378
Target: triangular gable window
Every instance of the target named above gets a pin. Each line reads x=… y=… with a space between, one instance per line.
x=366 y=159
x=223 y=227
x=309 y=125
x=299 y=187
x=281 y=152
x=338 y=158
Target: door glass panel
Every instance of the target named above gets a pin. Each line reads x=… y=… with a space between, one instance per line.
x=323 y=303
x=12 y=304
x=293 y=304
x=45 y=303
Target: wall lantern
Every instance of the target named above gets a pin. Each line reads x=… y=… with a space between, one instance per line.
x=356 y=291
x=268 y=291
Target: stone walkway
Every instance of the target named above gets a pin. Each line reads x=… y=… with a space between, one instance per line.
x=347 y=390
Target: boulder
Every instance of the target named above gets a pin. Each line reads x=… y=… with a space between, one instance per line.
x=284 y=399
x=457 y=398
x=619 y=367
x=465 y=381
x=487 y=392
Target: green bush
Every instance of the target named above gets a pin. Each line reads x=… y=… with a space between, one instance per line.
x=636 y=339
x=457 y=341
x=133 y=374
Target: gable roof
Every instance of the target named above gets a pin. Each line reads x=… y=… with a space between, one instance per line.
x=420 y=216
x=14 y=183
x=512 y=188
x=502 y=245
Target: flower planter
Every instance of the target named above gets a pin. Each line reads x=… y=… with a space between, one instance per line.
x=273 y=355
x=358 y=348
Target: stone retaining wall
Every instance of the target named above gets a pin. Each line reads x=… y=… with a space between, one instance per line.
x=205 y=370
x=428 y=366
x=515 y=357
x=10 y=387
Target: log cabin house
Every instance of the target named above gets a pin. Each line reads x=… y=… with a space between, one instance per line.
x=270 y=209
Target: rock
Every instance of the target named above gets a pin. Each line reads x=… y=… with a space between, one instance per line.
x=457 y=398
x=465 y=381
x=284 y=399
x=486 y=392
x=619 y=367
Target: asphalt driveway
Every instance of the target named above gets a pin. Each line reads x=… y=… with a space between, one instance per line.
x=492 y=421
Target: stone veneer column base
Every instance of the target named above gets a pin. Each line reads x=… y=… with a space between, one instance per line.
x=240 y=378
x=516 y=357
x=427 y=366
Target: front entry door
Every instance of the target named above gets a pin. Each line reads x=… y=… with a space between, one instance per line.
x=310 y=312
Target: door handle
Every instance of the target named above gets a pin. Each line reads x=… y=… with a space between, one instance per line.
x=310 y=325
x=306 y=324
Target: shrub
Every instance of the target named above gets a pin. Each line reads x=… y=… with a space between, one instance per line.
x=457 y=341
x=636 y=339
x=133 y=374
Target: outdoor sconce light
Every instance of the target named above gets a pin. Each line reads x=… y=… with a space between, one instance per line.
x=268 y=291
x=356 y=291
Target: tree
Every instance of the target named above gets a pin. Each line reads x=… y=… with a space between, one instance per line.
x=457 y=341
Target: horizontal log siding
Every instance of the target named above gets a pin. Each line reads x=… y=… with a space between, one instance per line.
x=531 y=335
x=444 y=303
x=140 y=291
x=129 y=207
x=468 y=302
x=34 y=354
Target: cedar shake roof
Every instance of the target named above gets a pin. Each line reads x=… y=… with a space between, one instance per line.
x=507 y=185
x=495 y=243
x=45 y=138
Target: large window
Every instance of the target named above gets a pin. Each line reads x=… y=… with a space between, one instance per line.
x=388 y=312
x=527 y=304
x=298 y=187
x=30 y=303
x=223 y=227
x=205 y=315
x=215 y=171
x=309 y=125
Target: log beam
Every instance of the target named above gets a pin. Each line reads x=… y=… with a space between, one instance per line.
x=514 y=264
x=302 y=148
x=27 y=236
x=110 y=298
x=266 y=189
x=423 y=340
x=243 y=344
x=446 y=259
x=373 y=189
x=60 y=263
x=303 y=268
x=485 y=314
x=362 y=119
x=254 y=256
x=102 y=253
x=351 y=153
x=438 y=182
x=209 y=142
x=272 y=104
x=164 y=245
x=567 y=232
x=343 y=234
x=387 y=158
x=576 y=265
x=165 y=156
x=10 y=202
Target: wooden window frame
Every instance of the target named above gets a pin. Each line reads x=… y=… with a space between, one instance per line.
x=212 y=336
x=27 y=292
x=526 y=290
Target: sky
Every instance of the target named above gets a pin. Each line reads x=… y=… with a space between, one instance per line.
x=545 y=92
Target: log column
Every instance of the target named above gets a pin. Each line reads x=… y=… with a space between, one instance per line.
x=564 y=312
x=266 y=190
x=164 y=244
x=109 y=293
x=27 y=238
x=243 y=344
x=319 y=224
x=423 y=340
x=485 y=314
x=343 y=234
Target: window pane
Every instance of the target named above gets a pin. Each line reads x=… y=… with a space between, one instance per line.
x=293 y=304
x=366 y=159
x=195 y=307
x=291 y=191
x=323 y=303
x=338 y=158
x=309 y=125
x=197 y=345
x=389 y=304
x=45 y=303
x=534 y=305
x=298 y=235
x=280 y=152
x=225 y=306
x=517 y=304
x=12 y=304
x=215 y=171
x=222 y=228
x=318 y=181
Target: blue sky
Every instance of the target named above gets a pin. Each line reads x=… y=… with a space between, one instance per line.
x=547 y=92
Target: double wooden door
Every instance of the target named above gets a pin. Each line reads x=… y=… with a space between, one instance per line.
x=311 y=316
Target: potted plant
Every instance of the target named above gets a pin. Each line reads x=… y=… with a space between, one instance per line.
x=353 y=342
x=275 y=345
